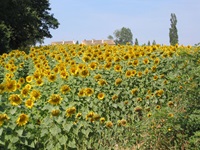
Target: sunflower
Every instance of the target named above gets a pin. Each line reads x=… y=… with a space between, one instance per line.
x=89 y=115
x=78 y=115
x=102 y=82
x=128 y=73
x=3 y=117
x=22 y=119
x=108 y=65
x=159 y=92
x=155 y=78
x=15 y=99
x=118 y=68
x=109 y=124
x=25 y=92
x=118 y=81
x=93 y=65
x=146 y=71
x=84 y=73
x=138 y=109
x=153 y=68
x=170 y=104
x=29 y=103
x=52 y=77
x=139 y=99
x=39 y=82
x=35 y=94
x=158 y=107
x=170 y=115
x=101 y=96
x=133 y=73
x=88 y=91
x=135 y=62
x=146 y=61
x=157 y=60
x=55 y=112
x=81 y=93
x=81 y=66
x=56 y=69
x=28 y=86
x=139 y=74
x=70 y=111
x=133 y=91
x=97 y=77
x=36 y=75
x=64 y=74
x=21 y=81
x=2 y=88
x=55 y=99
x=74 y=70
x=64 y=89
x=126 y=57
x=102 y=120
x=123 y=122
x=96 y=117
x=149 y=115
x=10 y=85
x=114 y=97
x=86 y=58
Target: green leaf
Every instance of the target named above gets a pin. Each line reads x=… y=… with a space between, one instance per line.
x=67 y=127
x=44 y=132
x=72 y=144
x=20 y=131
x=63 y=140
x=14 y=139
x=12 y=111
x=55 y=130
x=1 y=130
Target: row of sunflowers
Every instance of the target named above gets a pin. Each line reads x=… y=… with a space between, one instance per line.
x=77 y=96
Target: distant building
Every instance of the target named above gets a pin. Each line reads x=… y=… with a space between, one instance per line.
x=63 y=42
x=98 y=42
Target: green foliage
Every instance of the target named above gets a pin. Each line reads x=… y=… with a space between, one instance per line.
x=163 y=113
x=136 y=42
x=123 y=36
x=24 y=23
x=173 y=32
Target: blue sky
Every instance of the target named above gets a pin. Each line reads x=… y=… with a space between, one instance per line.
x=148 y=19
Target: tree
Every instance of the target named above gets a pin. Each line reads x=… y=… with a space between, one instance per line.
x=154 y=42
x=123 y=36
x=24 y=23
x=110 y=37
x=136 y=42
x=173 y=32
x=149 y=43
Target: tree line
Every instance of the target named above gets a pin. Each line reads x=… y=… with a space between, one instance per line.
x=23 y=23
x=124 y=35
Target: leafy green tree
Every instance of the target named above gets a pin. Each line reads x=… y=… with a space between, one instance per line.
x=136 y=42
x=123 y=36
x=149 y=43
x=110 y=37
x=24 y=23
x=173 y=32
x=154 y=42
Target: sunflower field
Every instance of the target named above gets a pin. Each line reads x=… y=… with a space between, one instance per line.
x=100 y=97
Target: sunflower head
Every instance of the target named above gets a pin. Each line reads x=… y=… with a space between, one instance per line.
x=22 y=119
x=101 y=96
x=109 y=124
x=29 y=103
x=55 y=99
x=15 y=99
x=70 y=111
